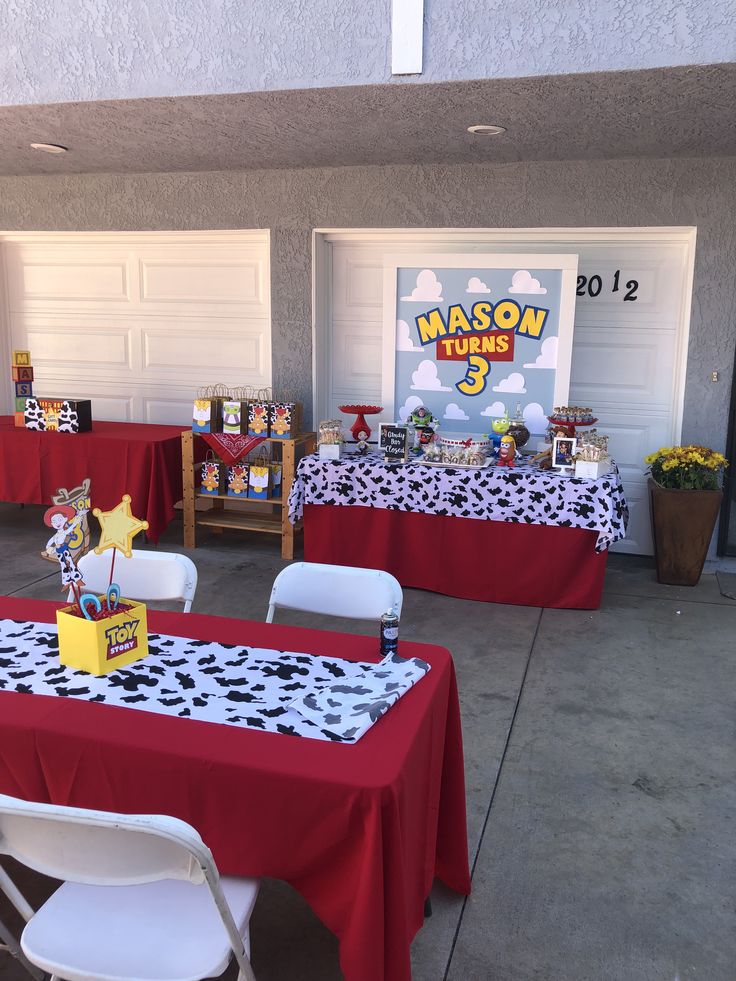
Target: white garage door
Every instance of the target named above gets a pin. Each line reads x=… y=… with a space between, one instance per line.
x=629 y=345
x=138 y=322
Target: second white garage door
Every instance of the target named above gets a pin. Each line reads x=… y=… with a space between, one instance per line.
x=138 y=321
x=629 y=344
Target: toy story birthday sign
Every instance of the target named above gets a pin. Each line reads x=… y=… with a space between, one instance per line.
x=472 y=336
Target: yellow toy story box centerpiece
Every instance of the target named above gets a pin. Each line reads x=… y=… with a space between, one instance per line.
x=100 y=633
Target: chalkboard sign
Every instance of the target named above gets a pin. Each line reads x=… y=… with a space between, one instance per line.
x=394 y=442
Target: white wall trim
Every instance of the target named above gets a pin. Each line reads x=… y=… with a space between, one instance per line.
x=7 y=392
x=321 y=315
x=407 y=36
x=170 y=236
x=683 y=333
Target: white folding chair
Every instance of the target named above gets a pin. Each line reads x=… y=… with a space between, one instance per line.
x=7 y=941
x=141 y=898
x=144 y=576
x=335 y=590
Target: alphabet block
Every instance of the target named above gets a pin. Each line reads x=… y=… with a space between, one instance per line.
x=24 y=389
x=21 y=358
x=22 y=374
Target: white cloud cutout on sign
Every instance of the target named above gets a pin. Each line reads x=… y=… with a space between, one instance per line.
x=404 y=341
x=514 y=383
x=425 y=378
x=453 y=411
x=427 y=290
x=523 y=282
x=547 y=357
x=476 y=285
x=412 y=403
x=536 y=419
x=498 y=409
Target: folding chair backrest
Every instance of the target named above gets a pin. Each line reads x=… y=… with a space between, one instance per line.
x=335 y=590
x=100 y=848
x=144 y=576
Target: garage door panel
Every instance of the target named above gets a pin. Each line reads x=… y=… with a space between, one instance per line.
x=176 y=411
x=64 y=281
x=652 y=281
x=357 y=360
x=80 y=348
x=113 y=408
x=631 y=440
x=46 y=278
x=622 y=365
x=358 y=279
x=200 y=281
x=638 y=539
x=204 y=351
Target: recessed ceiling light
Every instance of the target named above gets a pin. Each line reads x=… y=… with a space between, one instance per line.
x=482 y=130
x=49 y=147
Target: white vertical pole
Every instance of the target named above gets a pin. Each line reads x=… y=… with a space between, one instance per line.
x=407 y=36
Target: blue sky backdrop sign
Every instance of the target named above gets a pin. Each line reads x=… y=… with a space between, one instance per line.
x=471 y=336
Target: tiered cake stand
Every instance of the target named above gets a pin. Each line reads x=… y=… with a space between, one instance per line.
x=360 y=425
x=570 y=427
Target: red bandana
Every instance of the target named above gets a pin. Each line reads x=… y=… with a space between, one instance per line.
x=232 y=447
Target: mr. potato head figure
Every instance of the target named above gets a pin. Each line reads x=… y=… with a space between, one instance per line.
x=507 y=451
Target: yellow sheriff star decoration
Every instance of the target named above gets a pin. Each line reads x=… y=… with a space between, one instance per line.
x=119 y=527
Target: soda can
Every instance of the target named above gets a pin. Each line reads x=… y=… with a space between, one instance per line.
x=389 y=634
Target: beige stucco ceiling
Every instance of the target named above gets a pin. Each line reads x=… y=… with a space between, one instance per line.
x=657 y=113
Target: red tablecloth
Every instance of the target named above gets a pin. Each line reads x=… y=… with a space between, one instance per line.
x=496 y=561
x=120 y=458
x=359 y=830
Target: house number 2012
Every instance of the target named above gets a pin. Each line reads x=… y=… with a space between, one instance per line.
x=593 y=285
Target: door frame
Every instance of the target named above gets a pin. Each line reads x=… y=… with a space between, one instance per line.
x=484 y=239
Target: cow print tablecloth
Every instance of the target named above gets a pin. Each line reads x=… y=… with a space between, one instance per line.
x=273 y=691
x=523 y=495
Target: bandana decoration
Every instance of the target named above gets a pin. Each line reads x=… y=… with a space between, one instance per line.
x=232 y=447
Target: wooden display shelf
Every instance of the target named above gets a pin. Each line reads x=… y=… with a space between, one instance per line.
x=258 y=501
x=218 y=517
x=240 y=520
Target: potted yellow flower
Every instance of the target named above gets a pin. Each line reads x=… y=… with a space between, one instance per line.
x=685 y=494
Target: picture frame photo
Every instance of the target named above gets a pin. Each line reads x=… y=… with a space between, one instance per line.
x=563 y=453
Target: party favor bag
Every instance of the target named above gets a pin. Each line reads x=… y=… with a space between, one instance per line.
x=259 y=482
x=258 y=418
x=207 y=415
x=276 y=473
x=283 y=420
x=237 y=480
x=212 y=474
x=234 y=414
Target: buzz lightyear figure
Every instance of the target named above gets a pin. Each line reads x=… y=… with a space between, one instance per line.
x=425 y=426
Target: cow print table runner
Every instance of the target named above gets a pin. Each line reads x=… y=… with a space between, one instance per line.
x=523 y=495
x=273 y=691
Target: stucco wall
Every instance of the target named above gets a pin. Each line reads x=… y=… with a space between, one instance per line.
x=292 y=203
x=78 y=50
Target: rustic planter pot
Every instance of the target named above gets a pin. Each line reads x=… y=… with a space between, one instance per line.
x=682 y=527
